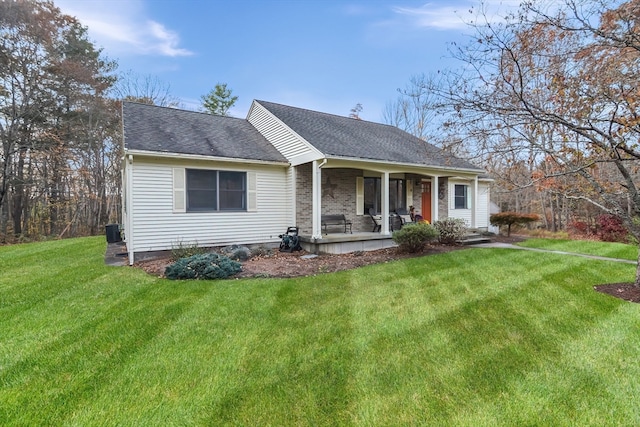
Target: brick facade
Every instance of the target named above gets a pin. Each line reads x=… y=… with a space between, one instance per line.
x=304 y=198
x=339 y=197
x=443 y=197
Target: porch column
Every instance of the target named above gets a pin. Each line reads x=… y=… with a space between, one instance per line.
x=435 y=186
x=474 y=202
x=384 y=195
x=293 y=182
x=316 y=201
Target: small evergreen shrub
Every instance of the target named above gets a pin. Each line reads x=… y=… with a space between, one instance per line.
x=450 y=230
x=185 y=250
x=203 y=266
x=413 y=237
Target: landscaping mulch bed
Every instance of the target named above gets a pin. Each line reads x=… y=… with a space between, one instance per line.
x=301 y=263
x=283 y=264
x=625 y=291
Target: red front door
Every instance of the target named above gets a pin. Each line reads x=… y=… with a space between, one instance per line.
x=426 y=201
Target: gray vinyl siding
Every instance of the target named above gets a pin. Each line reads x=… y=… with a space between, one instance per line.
x=287 y=142
x=155 y=226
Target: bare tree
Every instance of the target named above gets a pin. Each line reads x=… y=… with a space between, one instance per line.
x=52 y=79
x=415 y=109
x=557 y=86
x=146 y=89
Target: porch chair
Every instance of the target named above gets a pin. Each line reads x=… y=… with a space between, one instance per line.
x=404 y=216
x=376 y=225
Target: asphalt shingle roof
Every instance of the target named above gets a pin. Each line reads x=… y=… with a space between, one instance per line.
x=337 y=136
x=169 y=130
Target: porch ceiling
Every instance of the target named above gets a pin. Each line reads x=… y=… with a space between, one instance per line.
x=381 y=167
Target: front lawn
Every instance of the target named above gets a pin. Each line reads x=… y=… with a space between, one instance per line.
x=587 y=247
x=471 y=337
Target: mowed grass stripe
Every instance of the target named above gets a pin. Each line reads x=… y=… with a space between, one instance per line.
x=470 y=337
x=587 y=247
x=478 y=329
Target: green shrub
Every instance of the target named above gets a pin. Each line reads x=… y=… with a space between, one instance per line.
x=450 y=230
x=203 y=266
x=185 y=250
x=413 y=237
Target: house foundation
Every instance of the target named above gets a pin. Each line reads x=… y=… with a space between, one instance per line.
x=346 y=243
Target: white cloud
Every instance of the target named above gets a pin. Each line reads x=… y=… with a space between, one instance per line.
x=453 y=17
x=166 y=41
x=443 y=18
x=123 y=28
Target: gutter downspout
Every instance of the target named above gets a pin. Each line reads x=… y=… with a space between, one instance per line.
x=129 y=206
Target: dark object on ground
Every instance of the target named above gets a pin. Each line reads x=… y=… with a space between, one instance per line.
x=290 y=240
x=113 y=233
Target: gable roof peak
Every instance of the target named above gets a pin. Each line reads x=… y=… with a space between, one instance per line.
x=346 y=137
x=153 y=128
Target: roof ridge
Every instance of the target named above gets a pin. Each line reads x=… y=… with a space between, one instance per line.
x=325 y=114
x=183 y=110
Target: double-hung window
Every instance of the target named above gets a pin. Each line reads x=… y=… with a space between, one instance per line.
x=460 y=196
x=212 y=190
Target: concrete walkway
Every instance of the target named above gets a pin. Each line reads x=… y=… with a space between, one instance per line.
x=510 y=246
x=116 y=254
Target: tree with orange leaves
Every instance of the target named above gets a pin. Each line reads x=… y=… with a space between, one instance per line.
x=557 y=82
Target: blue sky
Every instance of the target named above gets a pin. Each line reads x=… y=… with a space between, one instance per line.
x=325 y=55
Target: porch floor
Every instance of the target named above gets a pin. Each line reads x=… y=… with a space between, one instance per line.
x=342 y=243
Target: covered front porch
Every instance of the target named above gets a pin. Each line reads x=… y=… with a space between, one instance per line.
x=342 y=243
x=357 y=188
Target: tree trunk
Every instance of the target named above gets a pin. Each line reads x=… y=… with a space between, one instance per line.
x=637 y=281
x=543 y=205
x=553 y=214
x=19 y=196
x=3 y=220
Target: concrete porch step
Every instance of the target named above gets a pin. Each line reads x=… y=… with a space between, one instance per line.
x=473 y=239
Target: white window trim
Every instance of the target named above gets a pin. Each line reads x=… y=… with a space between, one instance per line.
x=180 y=190
x=452 y=197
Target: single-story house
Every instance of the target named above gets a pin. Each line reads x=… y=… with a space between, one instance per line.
x=196 y=178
